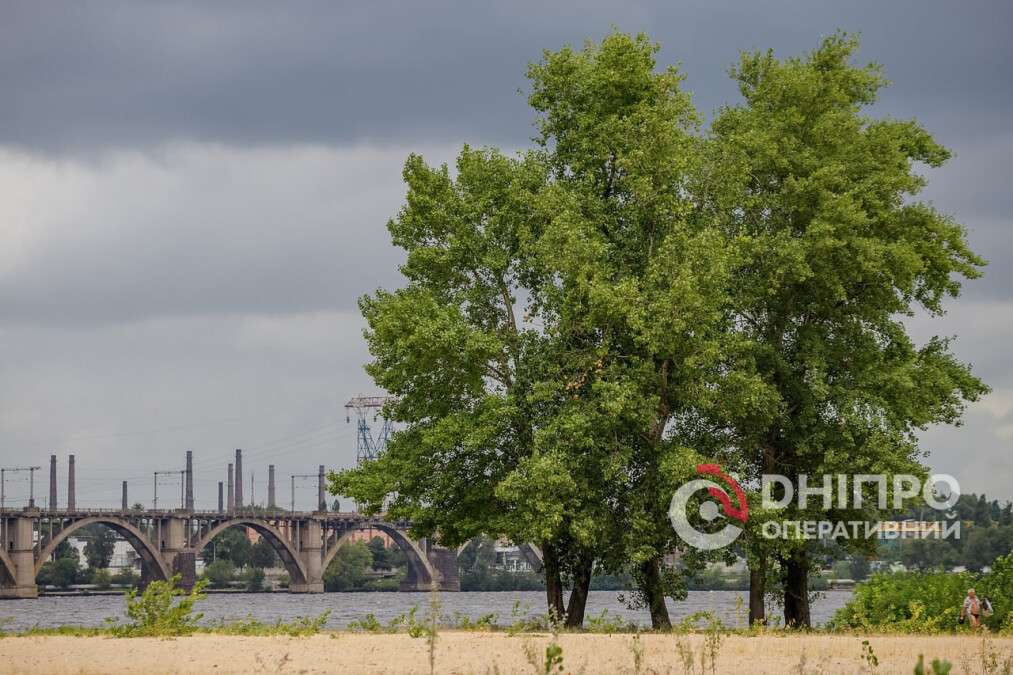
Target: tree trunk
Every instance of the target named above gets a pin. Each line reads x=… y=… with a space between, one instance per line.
x=578 y=596
x=796 y=591
x=553 y=581
x=757 y=589
x=654 y=594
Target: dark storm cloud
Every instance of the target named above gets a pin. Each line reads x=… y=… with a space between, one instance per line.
x=80 y=76
x=194 y=194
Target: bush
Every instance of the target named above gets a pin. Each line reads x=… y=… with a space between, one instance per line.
x=62 y=573
x=158 y=613
x=908 y=601
x=255 y=580
x=102 y=579
x=928 y=601
x=220 y=574
x=126 y=577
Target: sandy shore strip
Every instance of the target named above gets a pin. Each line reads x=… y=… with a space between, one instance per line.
x=480 y=653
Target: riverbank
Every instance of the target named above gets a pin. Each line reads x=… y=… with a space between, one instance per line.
x=480 y=653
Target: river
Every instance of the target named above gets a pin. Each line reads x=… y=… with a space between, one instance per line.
x=345 y=607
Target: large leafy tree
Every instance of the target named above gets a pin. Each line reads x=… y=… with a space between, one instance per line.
x=637 y=282
x=461 y=357
x=553 y=423
x=817 y=198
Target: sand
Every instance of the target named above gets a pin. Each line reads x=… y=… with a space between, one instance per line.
x=465 y=652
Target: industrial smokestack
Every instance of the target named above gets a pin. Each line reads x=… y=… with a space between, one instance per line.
x=124 y=504
x=321 y=500
x=52 y=482
x=232 y=492
x=71 y=496
x=239 y=478
x=270 y=486
x=188 y=503
x=221 y=497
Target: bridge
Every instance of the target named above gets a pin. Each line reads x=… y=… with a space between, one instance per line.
x=168 y=541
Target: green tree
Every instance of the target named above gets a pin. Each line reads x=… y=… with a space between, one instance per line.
x=233 y=545
x=461 y=359
x=62 y=573
x=834 y=250
x=549 y=422
x=262 y=554
x=349 y=569
x=99 y=545
x=381 y=555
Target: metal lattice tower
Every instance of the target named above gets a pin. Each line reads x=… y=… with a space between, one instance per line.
x=366 y=446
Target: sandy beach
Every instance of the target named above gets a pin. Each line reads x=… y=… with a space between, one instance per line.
x=462 y=652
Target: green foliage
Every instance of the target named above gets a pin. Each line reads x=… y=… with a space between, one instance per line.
x=162 y=610
x=62 y=572
x=370 y=624
x=220 y=574
x=126 y=576
x=938 y=667
x=906 y=601
x=100 y=541
x=262 y=554
x=486 y=622
x=102 y=579
x=233 y=545
x=300 y=627
x=869 y=655
x=581 y=325
x=603 y=623
x=349 y=568
x=927 y=601
x=255 y=580
x=819 y=201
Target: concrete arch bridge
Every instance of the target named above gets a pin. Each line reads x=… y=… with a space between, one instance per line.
x=169 y=541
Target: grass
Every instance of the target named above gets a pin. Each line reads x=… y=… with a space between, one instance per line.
x=163 y=610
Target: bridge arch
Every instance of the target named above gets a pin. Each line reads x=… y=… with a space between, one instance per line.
x=281 y=545
x=137 y=540
x=418 y=562
x=7 y=564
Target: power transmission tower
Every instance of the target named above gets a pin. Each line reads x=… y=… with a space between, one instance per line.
x=31 y=482
x=365 y=407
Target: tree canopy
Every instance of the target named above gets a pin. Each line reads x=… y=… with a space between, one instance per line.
x=583 y=323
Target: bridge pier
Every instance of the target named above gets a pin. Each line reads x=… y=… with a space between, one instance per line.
x=20 y=545
x=310 y=544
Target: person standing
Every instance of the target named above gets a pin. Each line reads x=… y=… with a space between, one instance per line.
x=971 y=610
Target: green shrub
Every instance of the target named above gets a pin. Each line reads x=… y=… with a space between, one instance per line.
x=162 y=610
x=102 y=579
x=906 y=601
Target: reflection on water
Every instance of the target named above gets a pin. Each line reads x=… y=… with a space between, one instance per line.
x=730 y=606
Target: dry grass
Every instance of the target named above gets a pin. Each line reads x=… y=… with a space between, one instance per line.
x=481 y=653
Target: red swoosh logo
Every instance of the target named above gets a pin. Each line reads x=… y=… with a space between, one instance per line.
x=722 y=496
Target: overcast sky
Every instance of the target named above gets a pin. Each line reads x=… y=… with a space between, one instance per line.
x=194 y=196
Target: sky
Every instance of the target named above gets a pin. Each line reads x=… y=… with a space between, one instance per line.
x=193 y=196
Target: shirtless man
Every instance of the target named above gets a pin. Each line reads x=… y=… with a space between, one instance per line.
x=971 y=609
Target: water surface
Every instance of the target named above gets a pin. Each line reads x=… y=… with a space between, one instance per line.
x=730 y=606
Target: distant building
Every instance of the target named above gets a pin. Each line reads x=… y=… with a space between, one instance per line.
x=510 y=558
x=124 y=556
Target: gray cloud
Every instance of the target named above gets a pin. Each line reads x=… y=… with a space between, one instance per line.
x=194 y=195
x=197 y=229
x=93 y=75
